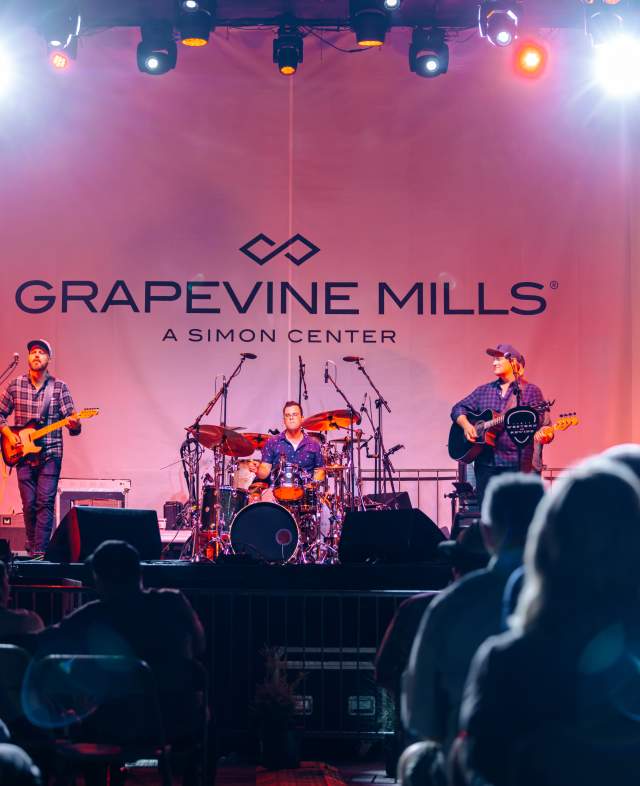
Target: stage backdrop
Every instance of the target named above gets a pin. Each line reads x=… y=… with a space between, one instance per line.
x=155 y=228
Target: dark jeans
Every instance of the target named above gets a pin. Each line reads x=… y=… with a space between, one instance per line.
x=38 y=486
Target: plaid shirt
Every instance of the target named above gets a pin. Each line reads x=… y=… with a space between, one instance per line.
x=505 y=453
x=25 y=402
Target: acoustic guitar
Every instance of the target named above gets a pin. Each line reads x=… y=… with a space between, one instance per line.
x=487 y=424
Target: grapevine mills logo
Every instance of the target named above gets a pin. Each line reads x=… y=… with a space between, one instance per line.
x=353 y=306
x=296 y=241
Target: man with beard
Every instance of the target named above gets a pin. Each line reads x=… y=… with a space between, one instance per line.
x=37 y=395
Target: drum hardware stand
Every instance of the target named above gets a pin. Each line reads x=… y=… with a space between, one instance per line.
x=380 y=481
x=354 y=417
x=193 y=483
x=191 y=452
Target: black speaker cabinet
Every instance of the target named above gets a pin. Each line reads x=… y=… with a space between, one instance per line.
x=84 y=528
x=390 y=536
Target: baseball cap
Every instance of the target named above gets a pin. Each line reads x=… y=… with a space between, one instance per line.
x=42 y=343
x=506 y=349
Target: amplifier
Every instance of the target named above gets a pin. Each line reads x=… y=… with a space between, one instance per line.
x=12 y=530
x=91 y=492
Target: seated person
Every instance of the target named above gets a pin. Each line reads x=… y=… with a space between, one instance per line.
x=14 y=622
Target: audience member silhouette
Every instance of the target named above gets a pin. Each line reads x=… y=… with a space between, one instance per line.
x=155 y=625
x=14 y=622
x=465 y=554
x=571 y=656
x=467 y=613
x=16 y=768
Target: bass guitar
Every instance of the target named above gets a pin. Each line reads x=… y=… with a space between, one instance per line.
x=29 y=433
x=487 y=425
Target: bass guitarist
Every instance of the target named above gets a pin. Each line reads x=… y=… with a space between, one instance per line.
x=500 y=454
x=37 y=395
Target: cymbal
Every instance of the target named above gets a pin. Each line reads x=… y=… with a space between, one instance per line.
x=357 y=437
x=331 y=419
x=256 y=439
x=333 y=468
x=231 y=442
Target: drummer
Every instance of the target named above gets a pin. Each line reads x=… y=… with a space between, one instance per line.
x=293 y=444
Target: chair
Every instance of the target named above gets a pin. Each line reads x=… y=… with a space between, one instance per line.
x=107 y=705
x=564 y=754
x=13 y=665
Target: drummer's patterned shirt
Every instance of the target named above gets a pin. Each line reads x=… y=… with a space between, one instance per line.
x=307 y=455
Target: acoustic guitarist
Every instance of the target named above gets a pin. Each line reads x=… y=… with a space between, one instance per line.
x=500 y=453
x=37 y=395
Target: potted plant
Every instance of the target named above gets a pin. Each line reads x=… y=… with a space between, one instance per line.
x=274 y=712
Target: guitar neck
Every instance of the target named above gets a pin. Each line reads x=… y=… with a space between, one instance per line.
x=48 y=429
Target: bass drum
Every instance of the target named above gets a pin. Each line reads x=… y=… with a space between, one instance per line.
x=267 y=531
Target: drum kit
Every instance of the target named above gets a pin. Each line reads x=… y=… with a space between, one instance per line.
x=298 y=517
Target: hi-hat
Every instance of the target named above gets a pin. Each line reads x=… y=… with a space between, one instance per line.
x=330 y=420
x=229 y=441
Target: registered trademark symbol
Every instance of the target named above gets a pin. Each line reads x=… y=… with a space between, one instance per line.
x=554 y=285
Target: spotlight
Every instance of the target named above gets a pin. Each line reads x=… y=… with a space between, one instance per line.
x=61 y=24
x=498 y=21
x=194 y=24
x=603 y=25
x=287 y=50
x=59 y=59
x=6 y=73
x=157 y=52
x=617 y=66
x=530 y=60
x=369 y=22
x=428 y=53
x=392 y=5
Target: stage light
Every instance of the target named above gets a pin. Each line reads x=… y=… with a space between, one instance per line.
x=157 y=53
x=369 y=22
x=288 y=50
x=392 y=5
x=61 y=24
x=498 y=21
x=530 y=59
x=428 y=53
x=617 y=66
x=59 y=59
x=195 y=24
x=6 y=73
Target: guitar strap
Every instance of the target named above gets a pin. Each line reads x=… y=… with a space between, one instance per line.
x=46 y=401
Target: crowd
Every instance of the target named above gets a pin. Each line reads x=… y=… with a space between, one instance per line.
x=527 y=671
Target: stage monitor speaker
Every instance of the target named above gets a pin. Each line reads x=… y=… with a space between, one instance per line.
x=83 y=529
x=390 y=536
x=389 y=501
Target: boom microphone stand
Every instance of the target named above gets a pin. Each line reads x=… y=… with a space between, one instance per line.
x=302 y=382
x=223 y=393
x=10 y=367
x=354 y=416
x=382 y=465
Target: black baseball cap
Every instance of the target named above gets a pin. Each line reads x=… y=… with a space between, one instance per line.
x=42 y=343
x=503 y=350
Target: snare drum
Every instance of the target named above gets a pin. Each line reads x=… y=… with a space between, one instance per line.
x=265 y=530
x=288 y=486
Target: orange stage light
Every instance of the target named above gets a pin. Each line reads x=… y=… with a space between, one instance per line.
x=194 y=41
x=530 y=59
x=59 y=60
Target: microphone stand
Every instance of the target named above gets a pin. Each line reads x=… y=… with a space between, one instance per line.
x=518 y=391
x=302 y=382
x=380 y=466
x=8 y=370
x=223 y=393
x=354 y=416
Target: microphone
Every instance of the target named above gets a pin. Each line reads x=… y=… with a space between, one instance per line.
x=248 y=355
x=16 y=357
x=352 y=358
x=394 y=449
x=326 y=372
